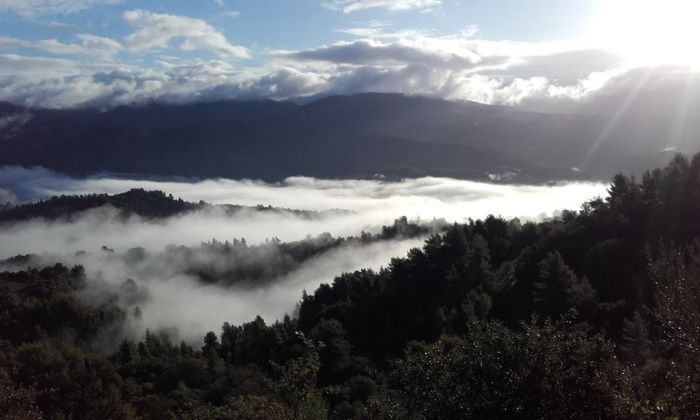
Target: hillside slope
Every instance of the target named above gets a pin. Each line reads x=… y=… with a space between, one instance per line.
x=339 y=137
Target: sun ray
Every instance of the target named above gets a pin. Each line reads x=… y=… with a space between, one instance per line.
x=615 y=118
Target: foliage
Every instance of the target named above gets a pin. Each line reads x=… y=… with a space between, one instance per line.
x=546 y=371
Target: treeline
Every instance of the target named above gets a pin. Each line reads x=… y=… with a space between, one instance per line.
x=593 y=315
x=235 y=262
x=150 y=204
x=137 y=201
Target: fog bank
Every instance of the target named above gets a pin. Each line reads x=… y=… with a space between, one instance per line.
x=176 y=298
x=426 y=197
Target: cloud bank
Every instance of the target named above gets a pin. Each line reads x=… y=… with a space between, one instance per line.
x=176 y=59
x=375 y=202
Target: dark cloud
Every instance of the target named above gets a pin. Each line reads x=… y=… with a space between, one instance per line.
x=365 y=52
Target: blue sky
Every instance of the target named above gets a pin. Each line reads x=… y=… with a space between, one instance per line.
x=64 y=53
x=297 y=24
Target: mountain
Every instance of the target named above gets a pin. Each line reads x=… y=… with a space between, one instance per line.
x=338 y=137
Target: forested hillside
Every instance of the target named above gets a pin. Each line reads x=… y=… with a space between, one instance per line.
x=135 y=202
x=595 y=314
x=356 y=136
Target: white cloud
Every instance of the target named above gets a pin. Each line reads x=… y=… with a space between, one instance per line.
x=90 y=45
x=373 y=28
x=32 y=8
x=19 y=70
x=52 y=46
x=458 y=67
x=58 y=83
x=565 y=67
x=362 y=31
x=233 y=14
x=376 y=202
x=62 y=83
x=349 y=6
x=157 y=30
x=540 y=76
x=100 y=44
x=61 y=26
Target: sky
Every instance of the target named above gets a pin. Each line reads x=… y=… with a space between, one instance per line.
x=104 y=53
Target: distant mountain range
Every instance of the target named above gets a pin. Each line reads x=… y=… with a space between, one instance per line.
x=357 y=136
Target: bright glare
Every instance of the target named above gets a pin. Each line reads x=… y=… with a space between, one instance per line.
x=650 y=32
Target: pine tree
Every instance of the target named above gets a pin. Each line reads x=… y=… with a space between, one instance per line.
x=211 y=343
x=635 y=346
x=558 y=289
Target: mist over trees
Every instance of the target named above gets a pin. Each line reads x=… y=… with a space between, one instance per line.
x=594 y=314
x=137 y=201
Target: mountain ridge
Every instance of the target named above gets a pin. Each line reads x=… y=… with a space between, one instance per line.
x=352 y=136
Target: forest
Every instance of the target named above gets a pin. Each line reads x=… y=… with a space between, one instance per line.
x=592 y=314
x=135 y=202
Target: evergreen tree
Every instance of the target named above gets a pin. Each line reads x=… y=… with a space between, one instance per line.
x=635 y=345
x=558 y=289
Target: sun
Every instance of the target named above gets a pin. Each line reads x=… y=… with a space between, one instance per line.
x=649 y=32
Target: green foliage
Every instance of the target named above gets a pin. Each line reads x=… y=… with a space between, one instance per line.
x=636 y=345
x=250 y=407
x=558 y=290
x=151 y=204
x=296 y=382
x=69 y=383
x=676 y=273
x=537 y=371
x=42 y=304
x=17 y=402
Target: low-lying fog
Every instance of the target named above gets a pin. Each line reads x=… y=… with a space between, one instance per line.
x=205 y=308
x=176 y=299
